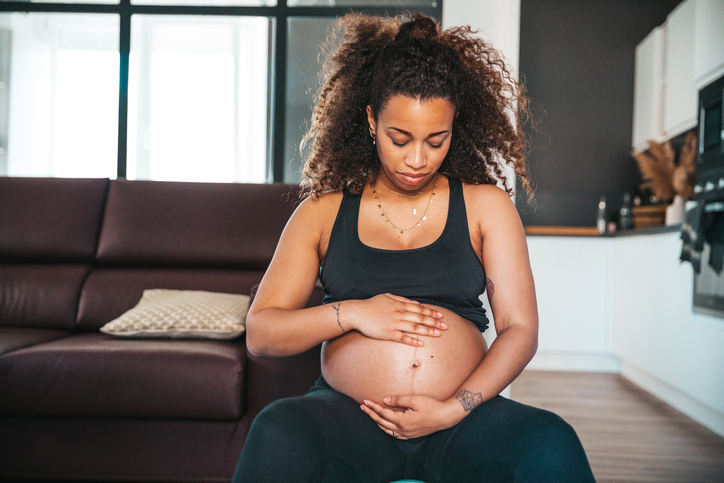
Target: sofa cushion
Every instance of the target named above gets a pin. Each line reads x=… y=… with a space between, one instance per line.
x=108 y=293
x=152 y=223
x=12 y=338
x=97 y=375
x=183 y=314
x=50 y=219
x=143 y=450
x=40 y=295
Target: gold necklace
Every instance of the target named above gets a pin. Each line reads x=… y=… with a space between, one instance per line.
x=424 y=215
x=414 y=197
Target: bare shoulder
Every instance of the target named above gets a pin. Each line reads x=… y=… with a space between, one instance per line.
x=313 y=221
x=476 y=194
x=489 y=206
x=319 y=209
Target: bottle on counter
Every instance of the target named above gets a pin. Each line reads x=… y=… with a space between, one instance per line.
x=625 y=217
x=601 y=219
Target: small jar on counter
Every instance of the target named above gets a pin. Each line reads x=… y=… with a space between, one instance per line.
x=625 y=216
x=601 y=219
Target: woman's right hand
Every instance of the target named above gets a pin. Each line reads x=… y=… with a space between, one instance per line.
x=391 y=317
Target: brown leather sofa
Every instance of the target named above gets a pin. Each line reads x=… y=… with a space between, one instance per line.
x=77 y=404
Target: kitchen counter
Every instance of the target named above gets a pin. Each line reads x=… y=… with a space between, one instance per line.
x=592 y=231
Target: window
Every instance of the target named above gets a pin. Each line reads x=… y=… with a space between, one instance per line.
x=180 y=90
x=197 y=98
x=62 y=95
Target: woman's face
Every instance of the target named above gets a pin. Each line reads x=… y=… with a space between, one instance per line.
x=413 y=138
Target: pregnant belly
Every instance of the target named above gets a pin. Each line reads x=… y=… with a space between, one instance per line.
x=365 y=368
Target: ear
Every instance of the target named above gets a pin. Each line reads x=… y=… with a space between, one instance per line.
x=371 y=119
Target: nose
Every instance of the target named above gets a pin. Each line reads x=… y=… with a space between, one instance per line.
x=416 y=159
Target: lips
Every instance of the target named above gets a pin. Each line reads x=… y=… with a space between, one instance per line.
x=413 y=178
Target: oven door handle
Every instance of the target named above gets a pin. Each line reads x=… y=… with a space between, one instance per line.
x=714 y=207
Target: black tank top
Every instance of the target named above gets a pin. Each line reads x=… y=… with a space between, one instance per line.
x=447 y=273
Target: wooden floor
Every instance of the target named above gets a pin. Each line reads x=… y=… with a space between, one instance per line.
x=628 y=434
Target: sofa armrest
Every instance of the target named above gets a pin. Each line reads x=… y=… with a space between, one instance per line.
x=272 y=378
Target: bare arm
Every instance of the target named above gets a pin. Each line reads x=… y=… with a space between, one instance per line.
x=277 y=323
x=511 y=291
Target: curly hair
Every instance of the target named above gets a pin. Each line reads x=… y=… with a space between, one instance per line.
x=370 y=59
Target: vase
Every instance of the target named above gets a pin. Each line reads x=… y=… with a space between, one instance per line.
x=675 y=211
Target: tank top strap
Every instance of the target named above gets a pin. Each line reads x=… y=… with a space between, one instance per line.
x=458 y=215
x=345 y=225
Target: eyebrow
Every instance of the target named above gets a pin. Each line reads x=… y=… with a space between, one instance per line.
x=410 y=134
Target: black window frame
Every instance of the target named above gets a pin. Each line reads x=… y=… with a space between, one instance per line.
x=278 y=50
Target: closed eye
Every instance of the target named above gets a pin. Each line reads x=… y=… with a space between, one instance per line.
x=436 y=146
x=398 y=144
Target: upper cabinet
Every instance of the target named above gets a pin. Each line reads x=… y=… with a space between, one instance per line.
x=680 y=92
x=648 y=87
x=709 y=38
x=672 y=63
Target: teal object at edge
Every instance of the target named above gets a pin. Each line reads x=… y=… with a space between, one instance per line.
x=407 y=481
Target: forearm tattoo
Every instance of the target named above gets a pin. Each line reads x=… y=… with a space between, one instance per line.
x=469 y=400
x=336 y=308
x=490 y=288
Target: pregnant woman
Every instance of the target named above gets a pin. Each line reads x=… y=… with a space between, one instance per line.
x=405 y=225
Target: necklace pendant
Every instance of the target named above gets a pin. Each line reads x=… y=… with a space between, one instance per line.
x=414 y=210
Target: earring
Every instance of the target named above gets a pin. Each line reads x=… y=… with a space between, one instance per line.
x=374 y=140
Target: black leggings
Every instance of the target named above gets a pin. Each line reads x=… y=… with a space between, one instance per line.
x=325 y=436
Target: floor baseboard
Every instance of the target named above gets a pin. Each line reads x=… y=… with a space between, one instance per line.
x=696 y=410
x=574 y=361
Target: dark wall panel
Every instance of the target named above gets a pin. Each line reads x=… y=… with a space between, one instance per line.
x=577 y=61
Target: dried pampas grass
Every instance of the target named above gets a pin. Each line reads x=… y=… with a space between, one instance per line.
x=685 y=172
x=657 y=169
x=662 y=175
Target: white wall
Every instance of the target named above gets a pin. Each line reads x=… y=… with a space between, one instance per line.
x=497 y=21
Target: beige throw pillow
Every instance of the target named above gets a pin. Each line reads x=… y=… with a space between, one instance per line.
x=183 y=313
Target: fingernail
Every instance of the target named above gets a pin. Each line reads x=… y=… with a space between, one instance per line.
x=367 y=402
x=443 y=325
x=436 y=332
x=387 y=400
x=362 y=408
x=419 y=342
x=439 y=314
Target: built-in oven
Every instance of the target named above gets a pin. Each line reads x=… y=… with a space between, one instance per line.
x=709 y=189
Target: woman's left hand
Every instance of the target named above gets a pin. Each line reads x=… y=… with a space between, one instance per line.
x=415 y=415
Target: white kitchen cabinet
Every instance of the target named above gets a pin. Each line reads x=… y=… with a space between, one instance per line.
x=625 y=302
x=680 y=91
x=673 y=63
x=648 y=98
x=709 y=41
